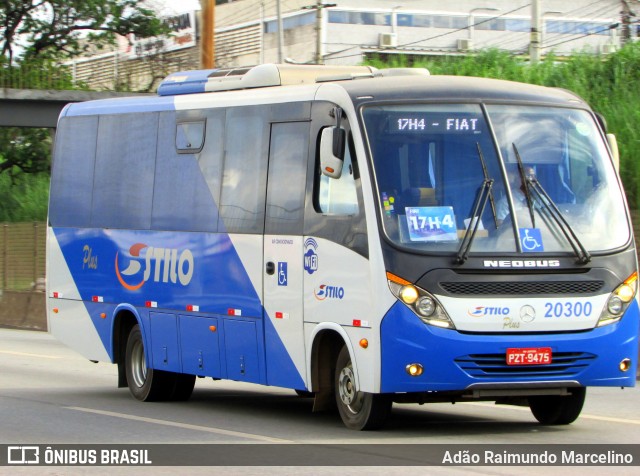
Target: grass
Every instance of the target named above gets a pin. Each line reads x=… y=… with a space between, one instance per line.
x=24 y=197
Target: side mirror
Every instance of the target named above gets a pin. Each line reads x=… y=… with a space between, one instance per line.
x=332 y=145
x=615 y=153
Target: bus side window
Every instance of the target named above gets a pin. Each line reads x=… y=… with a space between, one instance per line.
x=338 y=196
x=190 y=136
x=244 y=177
x=72 y=173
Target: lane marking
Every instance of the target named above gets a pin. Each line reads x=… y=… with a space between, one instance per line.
x=25 y=354
x=582 y=415
x=186 y=426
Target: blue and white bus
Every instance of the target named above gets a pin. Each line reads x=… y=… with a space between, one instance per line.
x=363 y=236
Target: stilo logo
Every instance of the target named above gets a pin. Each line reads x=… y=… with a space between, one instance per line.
x=160 y=264
x=332 y=292
x=481 y=311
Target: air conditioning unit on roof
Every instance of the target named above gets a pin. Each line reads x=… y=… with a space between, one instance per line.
x=608 y=48
x=388 y=40
x=465 y=44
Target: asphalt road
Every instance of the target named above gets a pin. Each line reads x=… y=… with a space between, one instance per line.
x=50 y=395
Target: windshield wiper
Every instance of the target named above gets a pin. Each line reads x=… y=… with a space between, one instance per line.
x=486 y=178
x=525 y=184
x=484 y=194
x=541 y=195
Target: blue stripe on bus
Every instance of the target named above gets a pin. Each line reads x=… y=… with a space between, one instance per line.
x=121 y=106
x=205 y=271
x=454 y=361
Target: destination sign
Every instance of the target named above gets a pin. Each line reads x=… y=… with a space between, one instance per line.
x=435 y=123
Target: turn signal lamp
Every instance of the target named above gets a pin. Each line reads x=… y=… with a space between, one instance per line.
x=415 y=370
x=423 y=304
x=619 y=301
x=625 y=365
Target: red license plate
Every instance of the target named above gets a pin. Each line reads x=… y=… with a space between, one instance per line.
x=529 y=356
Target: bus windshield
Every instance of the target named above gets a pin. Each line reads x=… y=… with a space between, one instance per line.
x=524 y=178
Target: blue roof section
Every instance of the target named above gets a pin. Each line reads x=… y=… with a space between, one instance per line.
x=185 y=82
x=121 y=106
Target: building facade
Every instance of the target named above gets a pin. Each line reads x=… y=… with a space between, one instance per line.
x=247 y=33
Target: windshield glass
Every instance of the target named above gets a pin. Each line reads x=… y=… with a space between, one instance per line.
x=533 y=178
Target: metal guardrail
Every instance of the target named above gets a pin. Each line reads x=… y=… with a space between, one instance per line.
x=22 y=256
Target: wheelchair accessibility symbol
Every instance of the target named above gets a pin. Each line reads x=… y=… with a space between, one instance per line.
x=531 y=240
x=282 y=273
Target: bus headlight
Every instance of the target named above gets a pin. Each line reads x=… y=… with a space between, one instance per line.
x=619 y=301
x=423 y=304
x=426 y=306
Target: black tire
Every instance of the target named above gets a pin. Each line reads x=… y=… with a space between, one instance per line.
x=558 y=410
x=358 y=410
x=183 y=387
x=145 y=384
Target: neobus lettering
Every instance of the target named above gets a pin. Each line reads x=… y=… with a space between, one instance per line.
x=541 y=263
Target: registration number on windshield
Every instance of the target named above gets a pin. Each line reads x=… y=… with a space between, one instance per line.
x=529 y=356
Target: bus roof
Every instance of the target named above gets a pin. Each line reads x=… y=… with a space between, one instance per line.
x=268 y=84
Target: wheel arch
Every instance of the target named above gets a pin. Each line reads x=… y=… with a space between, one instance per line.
x=125 y=318
x=326 y=342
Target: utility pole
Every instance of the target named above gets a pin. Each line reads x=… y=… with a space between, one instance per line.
x=536 y=27
x=207 y=37
x=318 y=7
x=626 y=22
x=280 y=33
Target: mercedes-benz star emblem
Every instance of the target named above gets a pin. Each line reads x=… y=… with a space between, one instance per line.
x=527 y=313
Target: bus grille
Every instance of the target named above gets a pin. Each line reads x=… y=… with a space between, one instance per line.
x=523 y=287
x=564 y=364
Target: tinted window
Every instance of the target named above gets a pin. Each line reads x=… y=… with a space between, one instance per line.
x=190 y=136
x=181 y=197
x=125 y=166
x=72 y=172
x=287 y=176
x=244 y=174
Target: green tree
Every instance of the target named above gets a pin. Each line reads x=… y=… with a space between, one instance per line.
x=51 y=28
x=25 y=150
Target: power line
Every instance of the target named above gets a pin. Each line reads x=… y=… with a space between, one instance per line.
x=404 y=45
x=610 y=27
x=600 y=11
x=551 y=37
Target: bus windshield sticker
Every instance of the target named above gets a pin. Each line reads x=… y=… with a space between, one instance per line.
x=531 y=240
x=431 y=224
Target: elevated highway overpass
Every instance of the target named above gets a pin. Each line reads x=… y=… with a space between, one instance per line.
x=40 y=108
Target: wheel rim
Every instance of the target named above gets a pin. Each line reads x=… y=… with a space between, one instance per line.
x=138 y=364
x=349 y=395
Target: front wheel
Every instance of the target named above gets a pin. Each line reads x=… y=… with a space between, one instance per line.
x=556 y=409
x=358 y=410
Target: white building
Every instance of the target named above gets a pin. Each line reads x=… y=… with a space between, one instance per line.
x=349 y=31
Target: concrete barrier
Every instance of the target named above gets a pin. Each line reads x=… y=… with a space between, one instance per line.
x=23 y=310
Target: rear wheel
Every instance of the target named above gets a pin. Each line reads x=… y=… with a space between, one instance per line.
x=558 y=410
x=358 y=410
x=149 y=385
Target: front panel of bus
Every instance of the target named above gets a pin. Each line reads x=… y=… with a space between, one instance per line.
x=508 y=244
